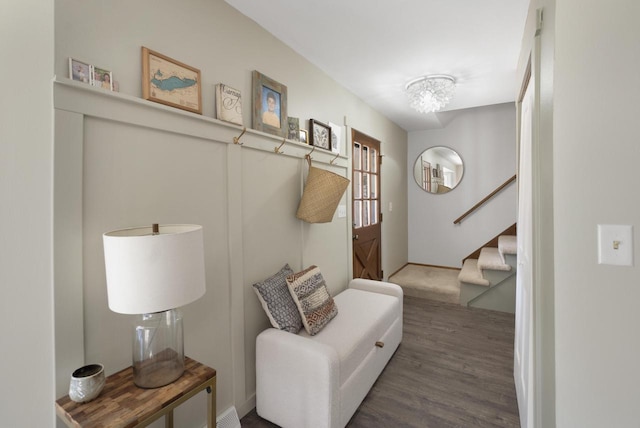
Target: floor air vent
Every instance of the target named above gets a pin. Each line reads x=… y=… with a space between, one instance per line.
x=229 y=419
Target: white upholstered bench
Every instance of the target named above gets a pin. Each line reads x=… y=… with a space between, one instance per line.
x=319 y=381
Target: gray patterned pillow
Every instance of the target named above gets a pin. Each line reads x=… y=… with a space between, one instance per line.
x=277 y=302
x=312 y=298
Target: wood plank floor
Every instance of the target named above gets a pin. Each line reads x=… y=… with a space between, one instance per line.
x=454 y=368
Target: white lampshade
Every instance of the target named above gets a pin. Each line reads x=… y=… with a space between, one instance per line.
x=149 y=273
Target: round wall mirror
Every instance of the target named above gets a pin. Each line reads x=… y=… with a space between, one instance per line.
x=438 y=170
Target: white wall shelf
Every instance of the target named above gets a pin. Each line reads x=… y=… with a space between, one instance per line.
x=96 y=102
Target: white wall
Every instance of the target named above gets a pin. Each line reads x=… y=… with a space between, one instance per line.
x=595 y=123
x=26 y=219
x=142 y=163
x=484 y=137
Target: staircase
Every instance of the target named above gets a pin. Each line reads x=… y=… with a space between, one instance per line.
x=489 y=281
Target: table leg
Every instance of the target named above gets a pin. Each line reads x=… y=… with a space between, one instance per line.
x=168 y=419
x=211 y=406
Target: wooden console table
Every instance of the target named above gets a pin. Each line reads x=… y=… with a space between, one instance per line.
x=122 y=404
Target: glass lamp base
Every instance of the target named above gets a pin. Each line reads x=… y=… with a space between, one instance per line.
x=158 y=349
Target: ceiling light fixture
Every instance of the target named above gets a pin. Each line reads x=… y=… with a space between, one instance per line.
x=430 y=93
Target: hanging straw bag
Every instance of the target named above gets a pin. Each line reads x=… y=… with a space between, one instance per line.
x=321 y=195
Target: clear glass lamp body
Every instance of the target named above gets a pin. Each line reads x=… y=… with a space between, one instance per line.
x=158 y=349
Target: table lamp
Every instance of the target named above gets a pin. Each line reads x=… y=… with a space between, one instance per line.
x=151 y=271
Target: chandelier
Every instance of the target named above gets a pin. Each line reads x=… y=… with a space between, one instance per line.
x=430 y=93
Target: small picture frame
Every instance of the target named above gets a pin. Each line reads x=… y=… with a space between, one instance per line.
x=269 y=105
x=303 y=136
x=102 y=78
x=294 y=129
x=80 y=71
x=320 y=134
x=170 y=82
x=336 y=137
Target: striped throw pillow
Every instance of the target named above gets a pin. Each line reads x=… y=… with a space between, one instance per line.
x=310 y=293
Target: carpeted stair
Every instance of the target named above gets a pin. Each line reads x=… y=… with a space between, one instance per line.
x=489 y=281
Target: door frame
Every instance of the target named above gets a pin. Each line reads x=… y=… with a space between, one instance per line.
x=542 y=352
x=364 y=138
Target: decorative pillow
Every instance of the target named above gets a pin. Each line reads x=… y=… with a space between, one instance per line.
x=310 y=293
x=277 y=302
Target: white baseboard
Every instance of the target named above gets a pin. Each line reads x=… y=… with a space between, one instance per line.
x=247 y=406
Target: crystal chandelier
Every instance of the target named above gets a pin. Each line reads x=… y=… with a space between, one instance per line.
x=430 y=93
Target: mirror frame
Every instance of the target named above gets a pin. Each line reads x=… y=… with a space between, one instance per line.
x=434 y=171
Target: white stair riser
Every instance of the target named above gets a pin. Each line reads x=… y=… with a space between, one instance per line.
x=511 y=260
x=497 y=276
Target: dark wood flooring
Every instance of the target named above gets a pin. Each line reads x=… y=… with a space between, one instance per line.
x=454 y=368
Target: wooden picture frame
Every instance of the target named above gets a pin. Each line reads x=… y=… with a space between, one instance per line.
x=319 y=134
x=170 y=82
x=269 y=105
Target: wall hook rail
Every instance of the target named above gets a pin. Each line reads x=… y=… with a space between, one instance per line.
x=277 y=149
x=308 y=155
x=334 y=159
x=236 y=140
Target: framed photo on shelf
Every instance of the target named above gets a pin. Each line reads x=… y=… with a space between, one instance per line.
x=320 y=134
x=102 y=78
x=303 y=136
x=294 y=129
x=80 y=71
x=170 y=82
x=228 y=104
x=336 y=137
x=269 y=105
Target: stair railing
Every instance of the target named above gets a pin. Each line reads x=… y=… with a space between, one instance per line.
x=485 y=199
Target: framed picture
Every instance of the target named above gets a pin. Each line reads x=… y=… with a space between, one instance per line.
x=102 y=78
x=294 y=129
x=320 y=134
x=303 y=136
x=80 y=71
x=269 y=105
x=336 y=137
x=170 y=82
x=228 y=104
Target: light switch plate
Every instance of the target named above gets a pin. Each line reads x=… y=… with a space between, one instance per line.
x=615 y=245
x=342 y=211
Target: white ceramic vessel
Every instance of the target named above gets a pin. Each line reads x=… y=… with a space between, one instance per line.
x=86 y=383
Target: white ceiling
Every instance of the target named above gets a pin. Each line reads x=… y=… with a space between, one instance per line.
x=375 y=47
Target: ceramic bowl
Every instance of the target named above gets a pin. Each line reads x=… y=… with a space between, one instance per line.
x=86 y=383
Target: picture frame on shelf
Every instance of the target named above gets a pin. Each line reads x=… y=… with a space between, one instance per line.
x=304 y=136
x=170 y=82
x=228 y=104
x=80 y=71
x=102 y=78
x=337 y=132
x=294 y=128
x=319 y=134
x=269 y=105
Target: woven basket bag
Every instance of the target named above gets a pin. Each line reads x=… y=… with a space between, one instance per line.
x=321 y=195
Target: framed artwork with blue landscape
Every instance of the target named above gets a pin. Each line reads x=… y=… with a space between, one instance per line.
x=170 y=82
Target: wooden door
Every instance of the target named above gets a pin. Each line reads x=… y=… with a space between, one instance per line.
x=367 y=255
